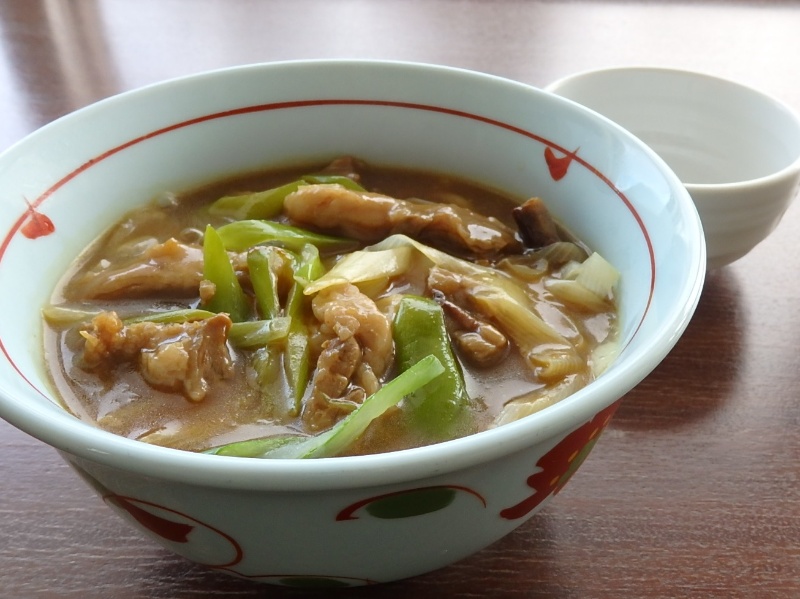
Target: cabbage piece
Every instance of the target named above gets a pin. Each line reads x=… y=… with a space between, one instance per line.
x=597 y=275
x=364 y=266
x=588 y=285
x=61 y=316
x=559 y=253
x=539 y=399
x=603 y=355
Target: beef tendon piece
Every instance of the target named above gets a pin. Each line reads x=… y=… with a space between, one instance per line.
x=180 y=357
x=370 y=217
x=536 y=227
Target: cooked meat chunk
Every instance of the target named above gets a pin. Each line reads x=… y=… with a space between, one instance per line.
x=364 y=216
x=346 y=312
x=164 y=268
x=355 y=357
x=182 y=357
x=370 y=217
x=536 y=226
x=332 y=395
x=170 y=266
x=336 y=365
x=479 y=342
x=445 y=284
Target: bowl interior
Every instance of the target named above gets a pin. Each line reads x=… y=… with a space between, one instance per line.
x=709 y=130
x=66 y=183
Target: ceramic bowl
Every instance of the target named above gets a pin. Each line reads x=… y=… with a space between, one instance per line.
x=349 y=520
x=736 y=149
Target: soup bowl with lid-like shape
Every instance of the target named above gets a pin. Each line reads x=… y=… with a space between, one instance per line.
x=359 y=519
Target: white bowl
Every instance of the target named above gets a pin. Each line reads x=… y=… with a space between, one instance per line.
x=285 y=520
x=736 y=149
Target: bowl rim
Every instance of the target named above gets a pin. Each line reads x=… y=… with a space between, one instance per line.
x=80 y=440
x=790 y=170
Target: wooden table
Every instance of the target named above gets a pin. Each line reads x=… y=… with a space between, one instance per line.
x=692 y=492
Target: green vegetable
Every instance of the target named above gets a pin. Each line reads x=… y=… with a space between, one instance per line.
x=297 y=355
x=253 y=448
x=261 y=204
x=245 y=334
x=419 y=330
x=262 y=264
x=309 y=268
x=171 y=316
x=338 y=438
x=258 y=333
x=296 y=361
x=345 y=182
x=267 y=364
x=244 y=234
x=217 y=268
x=269 y=203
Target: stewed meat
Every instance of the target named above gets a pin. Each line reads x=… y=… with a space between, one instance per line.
x=536 y=226
x=184 y=357
x=168 y=268
x=353 y=359
x=371 y=217
x=480 y=342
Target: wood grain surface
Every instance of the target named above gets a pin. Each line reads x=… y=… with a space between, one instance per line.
x=691 y=492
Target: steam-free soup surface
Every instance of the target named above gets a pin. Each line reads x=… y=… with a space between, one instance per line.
x=294 y=312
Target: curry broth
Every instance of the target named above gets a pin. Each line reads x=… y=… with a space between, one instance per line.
x=118 y=399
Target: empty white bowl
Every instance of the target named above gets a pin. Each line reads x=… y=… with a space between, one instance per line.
x=736 y=149
x=361 y=519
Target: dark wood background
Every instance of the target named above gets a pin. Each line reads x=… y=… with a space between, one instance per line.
x=693 y=490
